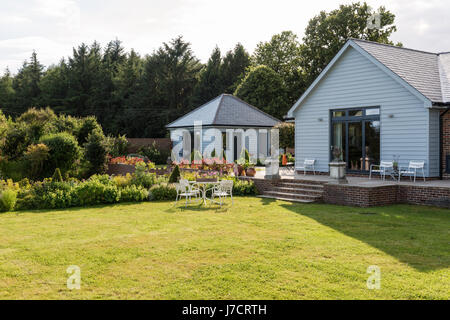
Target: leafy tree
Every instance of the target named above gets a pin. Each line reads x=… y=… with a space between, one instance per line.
x=209 y=84
x=54 y=86
x=283 y=55
x=286 y=134
x=26 y=84
x=232 y=70
x=327 y=32
x=264 y=88
x=7 y=91
x=84 y=66
x=168 y=81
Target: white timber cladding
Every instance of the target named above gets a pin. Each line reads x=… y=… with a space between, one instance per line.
x=255 y=140
x=407 y=127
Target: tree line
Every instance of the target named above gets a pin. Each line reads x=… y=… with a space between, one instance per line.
x=138 y=95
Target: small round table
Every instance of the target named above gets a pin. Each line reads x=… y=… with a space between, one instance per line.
x=202 y=187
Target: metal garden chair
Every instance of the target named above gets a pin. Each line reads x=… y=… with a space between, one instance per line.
x=412 y=170
x=222 y=190
x=308 y=164
x=383 y=167
x=187 y=190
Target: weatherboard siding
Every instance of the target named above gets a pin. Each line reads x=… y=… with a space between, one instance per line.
x=354 y=81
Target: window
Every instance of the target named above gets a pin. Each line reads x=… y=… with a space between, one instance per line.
x=355 y=113
x=338 y=114
x=372 y=112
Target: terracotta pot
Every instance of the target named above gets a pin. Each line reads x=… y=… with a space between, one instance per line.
x=250 y=172
x=241 y=170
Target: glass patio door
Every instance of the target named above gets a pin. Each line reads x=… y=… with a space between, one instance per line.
x=355 y=147
x=356 y=132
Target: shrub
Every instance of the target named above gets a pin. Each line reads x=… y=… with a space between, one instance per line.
x=96 y=152
x=8 y=200
x=155 y=154
x=57 y=175
x=244 y=188
x=36 y=155
x=163 y=191
x=122 y=181
x=34 y=115
x=174 y=175
x=141 y=177
x=16 y=142
x=87 y=126
x=134 y=193
x=64 y=123
x=15 y=170
x=117 y=146
x=64 y=151
x=90 y=192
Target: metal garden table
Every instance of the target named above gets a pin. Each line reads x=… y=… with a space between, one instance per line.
x=202 y=187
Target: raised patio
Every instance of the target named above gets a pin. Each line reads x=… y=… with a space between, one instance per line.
x=359 y=191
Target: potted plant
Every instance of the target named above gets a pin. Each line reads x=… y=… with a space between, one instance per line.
x=250 y=170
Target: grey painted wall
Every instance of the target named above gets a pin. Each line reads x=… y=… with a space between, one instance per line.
x=354 y=81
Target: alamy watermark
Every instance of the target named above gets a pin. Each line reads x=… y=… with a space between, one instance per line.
x=374 y=280
x=74 y=279
x=261 y=144
x=374 y=21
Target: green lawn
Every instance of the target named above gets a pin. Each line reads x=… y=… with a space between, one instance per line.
x=256 y=249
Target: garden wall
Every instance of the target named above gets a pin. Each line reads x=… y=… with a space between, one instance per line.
x=123 y=169
x=136 y=143
x=364 y=196
x=368 y=196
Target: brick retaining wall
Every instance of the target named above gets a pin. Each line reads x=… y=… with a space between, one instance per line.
x=368 y=196
x=363 y=196
x=353 y=195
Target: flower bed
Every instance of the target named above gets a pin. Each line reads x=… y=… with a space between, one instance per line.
x=215 y=164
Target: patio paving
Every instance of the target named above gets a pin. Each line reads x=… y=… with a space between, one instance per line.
x=357 y=181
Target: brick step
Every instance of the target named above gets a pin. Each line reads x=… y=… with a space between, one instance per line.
x=287 y=199
x=299 y=185
x=298 y=190
x=303 y=181
x=289 y=195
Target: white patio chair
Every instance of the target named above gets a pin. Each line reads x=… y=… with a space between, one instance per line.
x=308 y=164
x=184 y=189
x=412 y=170
x=383 y=167
x=222 y=190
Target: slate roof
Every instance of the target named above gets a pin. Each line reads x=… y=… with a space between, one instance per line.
x=428 y=73
x=226 y=110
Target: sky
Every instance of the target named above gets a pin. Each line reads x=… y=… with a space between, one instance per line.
x=53 y=27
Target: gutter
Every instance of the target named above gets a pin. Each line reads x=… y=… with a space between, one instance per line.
x=288 y=119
